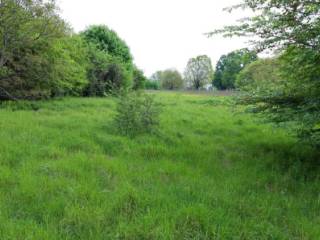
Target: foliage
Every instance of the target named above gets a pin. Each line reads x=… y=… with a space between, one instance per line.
x=292 y=26
x=278 y=24
x=259 y=75
x=171 y=79
x=108 y=41
x=229 y=66
x=111 y=68
x=139 y=80
x=152 y=85
x=137 y=113
x=27 y=31
x=107 y=75
x=156 y=77
x=69 y=58
x=198 y=72
x=295 y=98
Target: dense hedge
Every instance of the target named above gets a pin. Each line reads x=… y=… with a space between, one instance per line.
x=40 y=57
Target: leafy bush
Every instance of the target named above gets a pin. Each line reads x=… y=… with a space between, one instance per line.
x=137 y=113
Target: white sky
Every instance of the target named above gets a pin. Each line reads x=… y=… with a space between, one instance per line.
x=161 y=33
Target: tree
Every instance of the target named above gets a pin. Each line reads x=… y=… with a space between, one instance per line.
x=106 y=74
x=69 y=60
x=139 y=79
x=278 y=24
x=259 y=75
x=108 y=41
x=28 y=28
x=198 y=72
x=229 y=66
x=292 y=27
x=111 y=66
x=171 y=79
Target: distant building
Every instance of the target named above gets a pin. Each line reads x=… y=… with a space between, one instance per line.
x=208 y=87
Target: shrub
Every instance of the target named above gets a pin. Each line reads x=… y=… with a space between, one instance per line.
x=137 y=113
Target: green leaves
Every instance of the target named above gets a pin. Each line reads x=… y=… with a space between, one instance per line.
x=229 y=66
x=28 y=30
x=136 y=114
x=111 y=65
x=279 y=24
x=294 y=28
x=198 y=72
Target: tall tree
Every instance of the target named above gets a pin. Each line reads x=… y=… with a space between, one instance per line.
x=198 y=72
x=108 y=41
x=111 y=67
x=171 y=79
x=229 y=66
x=139 y=79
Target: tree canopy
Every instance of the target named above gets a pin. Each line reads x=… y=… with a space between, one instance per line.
x=169 y=79
x=108 y=41
x=259 y=75
x=199 y=72
x=28 y=30
x=111 y=67
x=230 y=65
x=278 y=24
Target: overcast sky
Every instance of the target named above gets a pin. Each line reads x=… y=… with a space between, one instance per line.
x=160 y=33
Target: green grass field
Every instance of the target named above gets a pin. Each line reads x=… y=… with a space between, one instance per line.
x=209 y=172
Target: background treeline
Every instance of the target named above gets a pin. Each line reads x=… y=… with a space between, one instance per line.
x=40 y=56
x=199 y=73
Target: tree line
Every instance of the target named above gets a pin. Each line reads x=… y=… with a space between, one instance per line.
x=200 y=74
x=41 y=57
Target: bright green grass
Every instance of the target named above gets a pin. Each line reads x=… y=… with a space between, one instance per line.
x=209 y=173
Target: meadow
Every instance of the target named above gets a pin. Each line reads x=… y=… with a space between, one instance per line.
x=210 y=171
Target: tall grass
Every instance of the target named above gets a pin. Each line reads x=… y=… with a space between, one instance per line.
x=210 y=172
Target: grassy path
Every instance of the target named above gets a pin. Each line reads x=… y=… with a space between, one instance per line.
x=209 y=173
